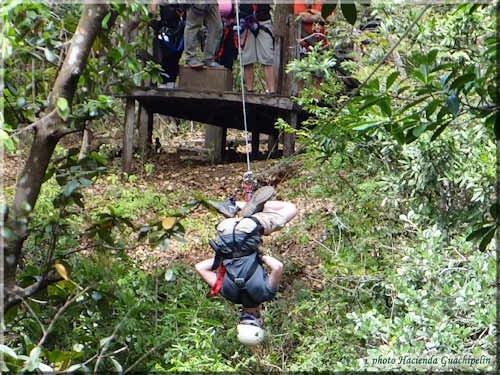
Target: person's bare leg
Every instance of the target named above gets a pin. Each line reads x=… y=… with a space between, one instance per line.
x=285 y=209
x=269 y=78
x=248 y=73
x=204 y=268
x=276 y=270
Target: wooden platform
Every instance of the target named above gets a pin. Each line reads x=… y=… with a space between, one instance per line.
x=214 y=108
x=219 y=110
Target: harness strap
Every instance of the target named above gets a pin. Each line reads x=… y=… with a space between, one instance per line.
x=266 y=29
x=218 y=282
x=240 y=281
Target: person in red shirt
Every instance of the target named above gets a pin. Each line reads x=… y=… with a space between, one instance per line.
x=311 y=22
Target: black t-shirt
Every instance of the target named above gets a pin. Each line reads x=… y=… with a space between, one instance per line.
x=262 y=11
x=169 y=15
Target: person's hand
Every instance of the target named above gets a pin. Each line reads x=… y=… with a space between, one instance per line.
x=259 y=257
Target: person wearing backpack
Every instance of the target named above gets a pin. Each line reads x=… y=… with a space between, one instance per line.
x=228 y=49
x=236 y=271
x=257 y=44
x=197 y=15
x=168 y=43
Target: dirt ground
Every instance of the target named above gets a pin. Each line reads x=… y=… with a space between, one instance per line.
x=175 y=172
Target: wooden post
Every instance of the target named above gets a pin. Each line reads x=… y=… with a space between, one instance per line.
x=145 y=116
x=281 y=23
x=255 y=144
x=145 y=131
x=289 y=139
x=293 y=53
x=272 y=145
x=128 y=135
x=215 y=141
x=86 y=143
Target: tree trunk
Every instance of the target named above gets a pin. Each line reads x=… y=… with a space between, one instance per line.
x=47 y=132
x=283 y=44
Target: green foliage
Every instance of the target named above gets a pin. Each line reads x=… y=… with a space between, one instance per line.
x=316 y=63
x=348 y=9
x=394 y=243
x=444 y=84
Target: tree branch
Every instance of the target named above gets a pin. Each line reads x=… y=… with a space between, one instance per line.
x=58 y=314
x=17 y=295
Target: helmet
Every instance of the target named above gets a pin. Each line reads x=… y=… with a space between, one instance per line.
x=249 y=334
x=250 y=331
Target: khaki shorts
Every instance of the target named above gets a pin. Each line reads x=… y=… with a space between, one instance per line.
x=270 y=221
x=260 y=49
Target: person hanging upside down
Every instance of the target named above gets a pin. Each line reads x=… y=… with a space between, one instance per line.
x=236 y=271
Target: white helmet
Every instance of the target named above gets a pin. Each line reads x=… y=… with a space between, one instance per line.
x=250 y=334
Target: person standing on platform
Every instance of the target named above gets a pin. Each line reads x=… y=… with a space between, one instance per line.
x=196 y=16
x=257 y=44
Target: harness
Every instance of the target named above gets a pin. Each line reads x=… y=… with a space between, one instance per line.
x=251 y=23
x=172 y=39
x=233 y=246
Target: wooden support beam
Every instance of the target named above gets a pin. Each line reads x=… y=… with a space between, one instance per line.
x=255 y=144
x=289 y=139
x=215 y=141
x=281 y=24
x=272 y=145
x=128 y=135
x=145 y=131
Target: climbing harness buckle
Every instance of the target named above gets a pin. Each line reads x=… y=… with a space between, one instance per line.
x=249 y=181
x=240 y=282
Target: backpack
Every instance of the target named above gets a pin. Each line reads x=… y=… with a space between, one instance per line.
x=236 y=245
x=171 y=28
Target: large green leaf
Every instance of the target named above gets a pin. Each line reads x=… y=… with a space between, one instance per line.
x=452 y=104
x=385 y=106
x=62 y=108
x=460 y=82
x=487 y=238
x=391 y=79
x=327 y=9
x=479 y=233
x=350 y=12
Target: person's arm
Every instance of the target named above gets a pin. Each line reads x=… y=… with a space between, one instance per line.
x=311 y=16
x=276 y=270
x=204 y=268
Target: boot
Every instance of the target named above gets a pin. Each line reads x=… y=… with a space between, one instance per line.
x=228 y=208
x=258 y=200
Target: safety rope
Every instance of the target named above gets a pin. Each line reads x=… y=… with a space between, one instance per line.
x=248 y=176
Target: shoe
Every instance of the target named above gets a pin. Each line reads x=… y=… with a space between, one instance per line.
x=195 y=64
x=228 y=208
x=213 y=64
x=250 y=319
x=258 y=200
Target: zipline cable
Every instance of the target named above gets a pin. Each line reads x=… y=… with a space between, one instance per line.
x=249 y=168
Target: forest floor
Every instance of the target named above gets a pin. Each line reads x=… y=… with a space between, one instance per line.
x=179 y=177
